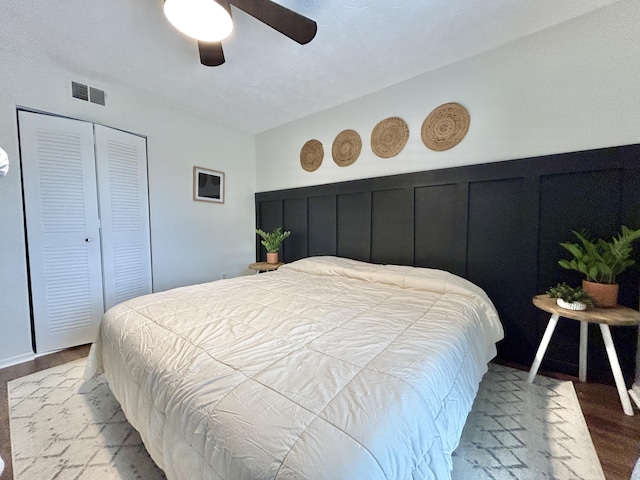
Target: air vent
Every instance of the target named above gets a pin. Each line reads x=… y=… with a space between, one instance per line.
x=86 y=93
x=78 y=90
x=96 y=95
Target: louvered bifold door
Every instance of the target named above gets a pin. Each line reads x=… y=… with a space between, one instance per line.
x=61 y=210
x=124 y=209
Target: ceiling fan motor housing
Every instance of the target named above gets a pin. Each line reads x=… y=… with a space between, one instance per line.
x=201 y=18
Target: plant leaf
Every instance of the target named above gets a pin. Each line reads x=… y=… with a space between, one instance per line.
x=573 y=248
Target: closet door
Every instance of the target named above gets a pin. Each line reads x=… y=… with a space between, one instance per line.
x=124 y=211
x=61 y=209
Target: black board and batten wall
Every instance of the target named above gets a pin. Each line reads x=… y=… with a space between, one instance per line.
x=497 y=224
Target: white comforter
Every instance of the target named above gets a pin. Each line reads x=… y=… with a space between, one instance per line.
x=325 y=369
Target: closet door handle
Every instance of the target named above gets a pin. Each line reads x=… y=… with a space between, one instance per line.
x=88 y=239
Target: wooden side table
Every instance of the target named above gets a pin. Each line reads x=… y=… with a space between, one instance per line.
x=265 y=267
x=616 y=316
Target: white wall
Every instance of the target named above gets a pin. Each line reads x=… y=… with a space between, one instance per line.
x=570 y=88
x=573 y=87
x=191 y=241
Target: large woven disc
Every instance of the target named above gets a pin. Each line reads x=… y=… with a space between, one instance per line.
x=346 y=148
x=389 y=137
x=445 y=127
x=311 y=155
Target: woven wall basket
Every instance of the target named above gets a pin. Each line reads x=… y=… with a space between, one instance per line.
x=311 y=155
x=346 y=148
x=445 y=127
x=389 y=137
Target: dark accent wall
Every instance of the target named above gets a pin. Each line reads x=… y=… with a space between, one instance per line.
x=497 y=224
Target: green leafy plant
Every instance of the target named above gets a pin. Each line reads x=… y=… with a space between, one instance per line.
x=570 y=294
x=272 y=240
x=601 y=261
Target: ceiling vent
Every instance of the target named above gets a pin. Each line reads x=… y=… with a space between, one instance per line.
x=96 y=95
x=78 y=90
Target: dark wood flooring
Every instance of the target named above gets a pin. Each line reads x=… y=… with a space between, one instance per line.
x=615 y=435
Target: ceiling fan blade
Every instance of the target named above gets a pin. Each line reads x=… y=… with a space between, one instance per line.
x=211 y=54
x=295 y=26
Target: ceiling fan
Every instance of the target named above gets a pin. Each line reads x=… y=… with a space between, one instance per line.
x=210 y=22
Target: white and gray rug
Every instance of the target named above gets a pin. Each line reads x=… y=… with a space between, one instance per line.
x=518 y=431
x=63 y=428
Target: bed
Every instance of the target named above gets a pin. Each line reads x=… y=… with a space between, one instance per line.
x=327 y=368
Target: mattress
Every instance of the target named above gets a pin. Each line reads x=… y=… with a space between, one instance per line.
x=327 y=368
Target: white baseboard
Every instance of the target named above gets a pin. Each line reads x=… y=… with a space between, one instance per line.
x=36 y=355
x=634 y=393
x=25 y=357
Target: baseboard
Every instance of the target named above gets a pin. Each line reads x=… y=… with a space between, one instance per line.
x=25 y=357
x=37 y=355
x=634 y=393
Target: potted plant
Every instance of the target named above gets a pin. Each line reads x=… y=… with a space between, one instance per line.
x=572 y=298
x=601 y=261
x=272 y=241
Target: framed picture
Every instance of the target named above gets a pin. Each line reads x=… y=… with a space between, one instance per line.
x=208 y=185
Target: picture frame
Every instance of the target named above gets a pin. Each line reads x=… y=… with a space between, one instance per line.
x=208 y=185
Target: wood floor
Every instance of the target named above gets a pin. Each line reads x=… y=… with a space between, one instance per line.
x=615 y=435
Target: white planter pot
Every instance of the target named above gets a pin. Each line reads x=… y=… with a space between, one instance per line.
x=571 y=305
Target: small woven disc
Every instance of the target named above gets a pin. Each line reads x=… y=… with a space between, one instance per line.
x=445 y=127
x=311 y=155
x=389 y=137
x=346 y=148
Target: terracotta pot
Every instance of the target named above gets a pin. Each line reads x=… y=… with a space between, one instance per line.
x=604 y=294
x=272 y=257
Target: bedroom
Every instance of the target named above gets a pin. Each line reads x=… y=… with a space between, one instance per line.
x=565 y=89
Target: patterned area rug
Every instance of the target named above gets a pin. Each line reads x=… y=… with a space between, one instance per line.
x=518 y=431
x=64 y=428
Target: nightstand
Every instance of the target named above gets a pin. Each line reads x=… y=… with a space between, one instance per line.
x=265 y=267
x=605 y=317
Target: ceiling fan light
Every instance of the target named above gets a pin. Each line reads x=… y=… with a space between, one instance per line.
x=206 y=20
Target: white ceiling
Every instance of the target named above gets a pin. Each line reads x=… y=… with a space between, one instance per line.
x=362 y=46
